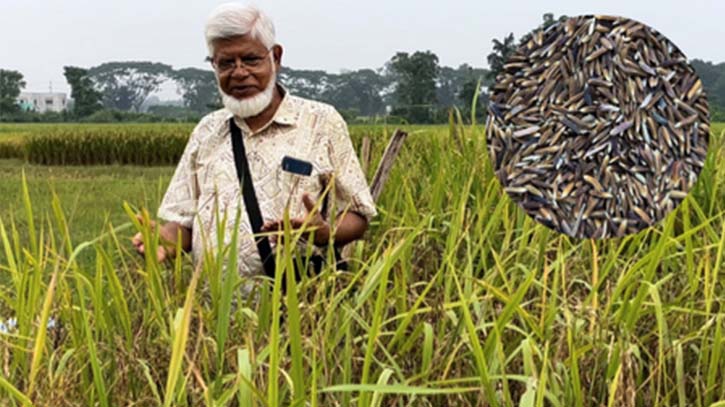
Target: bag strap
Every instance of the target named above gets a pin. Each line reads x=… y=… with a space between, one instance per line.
x=250 y=198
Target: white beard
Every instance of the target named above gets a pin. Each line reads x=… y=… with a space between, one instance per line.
x=251 y=106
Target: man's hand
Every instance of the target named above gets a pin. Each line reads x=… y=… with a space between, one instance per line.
x=317 y=223
x=167 y=235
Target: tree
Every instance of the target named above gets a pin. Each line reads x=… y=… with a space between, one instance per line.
x=415 y=90
x=125 y=85
x=716 y=94
x=11 y=82
x=547 y=20
x=86 y=100
x=502 y=50
x=713 y=81
x=466 y=95
x=356 y=91
x=305 y=83
x=198 y=88
x=708 y=72
x=451 y=83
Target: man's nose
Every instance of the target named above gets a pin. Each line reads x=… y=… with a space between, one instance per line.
x=239 y=70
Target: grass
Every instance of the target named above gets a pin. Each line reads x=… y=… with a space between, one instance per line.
x=92 y=196
x=454 y=298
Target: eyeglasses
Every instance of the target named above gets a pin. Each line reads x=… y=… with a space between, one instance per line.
x=248 y=62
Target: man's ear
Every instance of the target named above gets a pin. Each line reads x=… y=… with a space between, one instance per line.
x=277 y=51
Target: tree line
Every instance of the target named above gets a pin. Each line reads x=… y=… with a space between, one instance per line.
x=411 y=87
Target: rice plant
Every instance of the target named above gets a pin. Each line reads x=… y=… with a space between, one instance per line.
x=455 y=297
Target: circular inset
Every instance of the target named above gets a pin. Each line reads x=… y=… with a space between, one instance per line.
x=597 y=126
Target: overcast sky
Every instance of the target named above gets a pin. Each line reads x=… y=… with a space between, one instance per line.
x=38 y=38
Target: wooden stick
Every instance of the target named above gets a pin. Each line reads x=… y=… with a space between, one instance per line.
x=386 y=164
x=382 y=173
x=365 y=154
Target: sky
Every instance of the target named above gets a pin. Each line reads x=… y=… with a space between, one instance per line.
x=38 y=38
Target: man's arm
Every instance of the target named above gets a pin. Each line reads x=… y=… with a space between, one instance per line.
x=168 y=233
x=179 y=202
x=351 y=190
x=349 y=227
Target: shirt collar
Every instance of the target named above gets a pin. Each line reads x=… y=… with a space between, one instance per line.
x=285 y=115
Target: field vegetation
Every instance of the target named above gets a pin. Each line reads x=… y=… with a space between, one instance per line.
x=455 y=297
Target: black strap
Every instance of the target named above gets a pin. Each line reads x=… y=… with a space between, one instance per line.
x=250 y=198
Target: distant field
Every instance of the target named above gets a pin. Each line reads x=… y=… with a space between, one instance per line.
x=125 y=144
x=454 y=298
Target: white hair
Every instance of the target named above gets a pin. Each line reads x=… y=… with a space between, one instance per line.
x=234 y=19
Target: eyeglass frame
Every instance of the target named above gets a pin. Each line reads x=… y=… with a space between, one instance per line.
x=239 y=61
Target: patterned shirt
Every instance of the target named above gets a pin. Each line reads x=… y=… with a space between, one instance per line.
x=205 y=184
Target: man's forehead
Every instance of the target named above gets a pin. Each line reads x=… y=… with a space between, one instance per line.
x=238 y=43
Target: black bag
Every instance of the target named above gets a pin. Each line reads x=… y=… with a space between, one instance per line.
x=315 y=262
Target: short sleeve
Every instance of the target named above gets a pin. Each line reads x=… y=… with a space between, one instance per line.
x=179 y=203
x=352 y=192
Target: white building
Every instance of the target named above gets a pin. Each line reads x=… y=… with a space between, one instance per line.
x=42 y=102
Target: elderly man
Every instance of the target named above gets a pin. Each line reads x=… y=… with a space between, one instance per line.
x=272 y=124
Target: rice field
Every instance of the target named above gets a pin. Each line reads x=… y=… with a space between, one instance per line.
x=455 y=298
x=70 y=144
